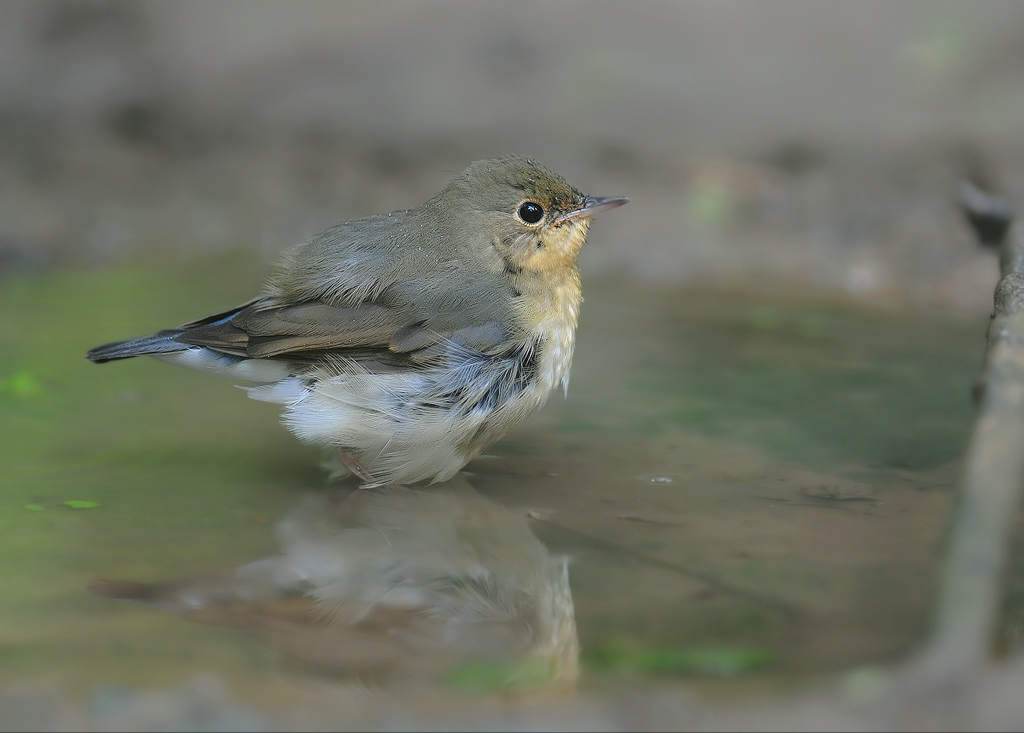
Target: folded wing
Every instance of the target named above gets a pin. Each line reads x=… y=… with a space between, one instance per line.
x=396 y=329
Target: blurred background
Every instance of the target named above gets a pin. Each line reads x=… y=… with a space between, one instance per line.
x=793 y=143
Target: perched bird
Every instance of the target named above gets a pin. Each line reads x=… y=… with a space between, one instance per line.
x=414 y=340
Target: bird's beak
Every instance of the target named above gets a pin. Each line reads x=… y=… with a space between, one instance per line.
x=591 y=205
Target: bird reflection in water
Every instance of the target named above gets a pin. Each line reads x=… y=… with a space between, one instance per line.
x=394 y=584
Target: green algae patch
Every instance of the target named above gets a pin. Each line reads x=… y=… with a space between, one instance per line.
x=21 y=385
x=78 y=504
x=623 y=657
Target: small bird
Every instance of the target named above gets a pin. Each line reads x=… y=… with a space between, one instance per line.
x=410 y=341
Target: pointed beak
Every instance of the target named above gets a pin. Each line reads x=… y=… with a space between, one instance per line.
x=592 y=205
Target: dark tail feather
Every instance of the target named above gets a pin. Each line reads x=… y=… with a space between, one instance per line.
x=165 y=342
x=162 y=342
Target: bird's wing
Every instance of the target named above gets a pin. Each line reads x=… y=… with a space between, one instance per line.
x=378 y=289
x=402 y=327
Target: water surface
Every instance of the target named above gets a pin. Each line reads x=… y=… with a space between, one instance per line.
x=749 y=486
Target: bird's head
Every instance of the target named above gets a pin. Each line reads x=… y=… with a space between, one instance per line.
x=535 y=220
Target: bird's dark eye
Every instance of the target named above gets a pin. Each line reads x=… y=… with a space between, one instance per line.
x=531 y=213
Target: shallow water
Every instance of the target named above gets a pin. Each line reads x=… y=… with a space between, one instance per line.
x=742 y=487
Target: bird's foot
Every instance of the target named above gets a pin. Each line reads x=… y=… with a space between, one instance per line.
x=351 y=461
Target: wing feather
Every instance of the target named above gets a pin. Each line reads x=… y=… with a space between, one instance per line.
x=368 y=290
x=374 y=331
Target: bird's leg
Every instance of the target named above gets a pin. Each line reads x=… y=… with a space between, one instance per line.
x=351 y=461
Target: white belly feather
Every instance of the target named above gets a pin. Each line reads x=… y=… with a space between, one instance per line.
x=407 y=427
